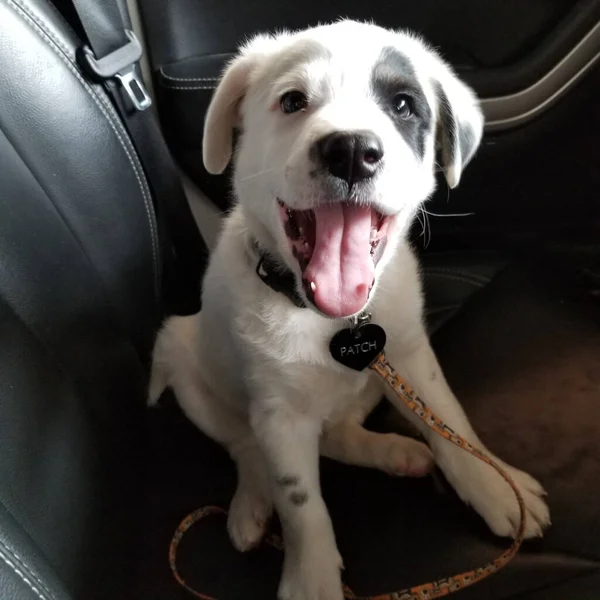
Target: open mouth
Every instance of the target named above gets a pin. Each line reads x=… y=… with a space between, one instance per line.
x=337 y=247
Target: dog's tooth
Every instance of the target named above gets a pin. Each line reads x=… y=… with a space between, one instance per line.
x=301 y=230
x=313 y=286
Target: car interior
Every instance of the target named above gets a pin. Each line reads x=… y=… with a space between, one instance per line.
x=93 y=483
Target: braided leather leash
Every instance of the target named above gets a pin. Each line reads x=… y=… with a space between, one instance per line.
x=426 y=591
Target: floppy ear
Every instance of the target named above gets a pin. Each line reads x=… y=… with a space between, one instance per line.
x=459 y=126
x=222 y=115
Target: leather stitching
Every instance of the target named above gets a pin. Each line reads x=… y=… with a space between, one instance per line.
x=192 y=79
x=25 y=567
x=24 y=578
x=113 y=121
x=189 y=87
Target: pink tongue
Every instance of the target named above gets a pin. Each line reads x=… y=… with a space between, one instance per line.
x=341 y=266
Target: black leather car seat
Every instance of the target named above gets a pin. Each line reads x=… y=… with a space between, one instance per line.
x=79 y=305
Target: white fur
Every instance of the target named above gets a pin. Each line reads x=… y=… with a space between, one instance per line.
x=252 y=370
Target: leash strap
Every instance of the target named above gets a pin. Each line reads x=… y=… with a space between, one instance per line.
x=426 y=591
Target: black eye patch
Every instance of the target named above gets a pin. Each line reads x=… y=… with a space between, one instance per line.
x=393 y=76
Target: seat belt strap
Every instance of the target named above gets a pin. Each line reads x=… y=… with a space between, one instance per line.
x=112 y=57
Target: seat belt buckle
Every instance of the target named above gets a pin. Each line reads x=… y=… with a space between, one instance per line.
x=119 y=65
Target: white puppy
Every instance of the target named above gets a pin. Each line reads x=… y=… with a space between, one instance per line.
x=339 y=129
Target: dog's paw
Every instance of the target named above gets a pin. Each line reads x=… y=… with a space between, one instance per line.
x=495 y=501
x=249 y=514
x=312 y=574
x=403 y=456
x=502 y=514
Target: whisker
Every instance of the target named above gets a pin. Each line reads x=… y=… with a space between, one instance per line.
x=256 y=174
x=470 y=214
x=425 y=225
x=426 y=216
x=422 y=224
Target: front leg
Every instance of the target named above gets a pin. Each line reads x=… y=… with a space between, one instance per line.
x=290 y=443
x=349 y=442
x=476 y=483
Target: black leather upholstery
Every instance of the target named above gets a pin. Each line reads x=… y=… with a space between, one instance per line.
x=181 y=29
x=79 y=308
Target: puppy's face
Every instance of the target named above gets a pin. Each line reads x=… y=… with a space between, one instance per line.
x=340 y=129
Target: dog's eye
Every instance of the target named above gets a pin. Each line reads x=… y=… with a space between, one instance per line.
x=403 y=105
x=294 y=101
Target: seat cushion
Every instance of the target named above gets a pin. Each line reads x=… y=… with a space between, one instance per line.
x=79 y=306
x=524 y=361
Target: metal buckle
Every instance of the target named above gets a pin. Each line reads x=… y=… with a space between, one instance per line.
x=135 y=90
x=119 y=65
x=358 y=321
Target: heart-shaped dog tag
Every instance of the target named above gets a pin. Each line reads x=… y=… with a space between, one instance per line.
x=357 y=348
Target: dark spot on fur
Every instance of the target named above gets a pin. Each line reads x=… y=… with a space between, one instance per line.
x=394 y=74
x=287 y=480
x=433 y=375
x=269 y=412
x=299 y=498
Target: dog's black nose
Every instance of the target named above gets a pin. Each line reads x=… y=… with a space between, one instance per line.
x=351 y=156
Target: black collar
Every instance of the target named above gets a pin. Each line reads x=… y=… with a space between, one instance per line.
x=278 y=278
x=282 y=280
